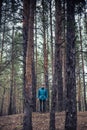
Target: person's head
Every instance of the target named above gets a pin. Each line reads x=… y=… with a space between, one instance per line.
x=43 y=85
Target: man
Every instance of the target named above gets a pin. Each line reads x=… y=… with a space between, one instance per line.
x=42 y=96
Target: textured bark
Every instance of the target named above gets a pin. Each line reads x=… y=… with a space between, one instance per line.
x=3 y=35
x=82 y=59
x=52 y=120
x=79 y=89
x=1 y=1
x=79 y=93
x=58 y=57
x=36 y=52
x=85 y=17
x=27 y=122
x=71 y=109
x=33 y=83
x=26 y=11
x=57 y=77
x=45 y=50
x=51 y=36
x=2 y=103
x=53 y=103
x=64 y=52
x=28 y=94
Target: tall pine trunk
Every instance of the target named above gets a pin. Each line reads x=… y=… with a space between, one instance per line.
x=2 y=102
x=64 y=52
x=28 y=94
x=58 y=57
x=82 y=59
x=45 y=50
x=3 y=36
x=79 y=88
x=12 y=102
x=51 y=36
x=26 y=11
x=71 y=109
x=57 y=77
x=1 y=1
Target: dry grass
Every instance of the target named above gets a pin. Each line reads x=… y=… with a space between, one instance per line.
x=40 y=121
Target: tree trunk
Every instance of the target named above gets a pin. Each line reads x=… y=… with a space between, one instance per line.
x=57 y=77
x=33 y=64
x=3 y=35
x=1 y=1
x=82 y=59
x=26 y=11
x=58 y=58
x=79 y=87
x=51 y=36
x=53 y=104
x=12 y=104
x=71 y=109
x=33 y=82
x=2 y=102
x=28 y=94
x=45 y=50
x=79 y=93
x=36 y=51
x=64 y=52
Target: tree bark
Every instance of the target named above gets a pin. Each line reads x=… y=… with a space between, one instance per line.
x=71 y=109
x=58 y=57
x=82 y=59
x=3 y=36
x=57 y=77
x=2 y=103
x=12 y=103
x=1 y=1
x=45 y=50
x=28 y=94
x=51 y=36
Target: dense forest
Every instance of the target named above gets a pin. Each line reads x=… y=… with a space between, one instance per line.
x=43 y=41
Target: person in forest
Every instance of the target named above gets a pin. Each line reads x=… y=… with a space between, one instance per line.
x=42 y=96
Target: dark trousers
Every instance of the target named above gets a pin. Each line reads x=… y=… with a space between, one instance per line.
x=42 y=105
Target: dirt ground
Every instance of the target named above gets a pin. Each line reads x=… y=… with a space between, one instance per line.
x=40 y=121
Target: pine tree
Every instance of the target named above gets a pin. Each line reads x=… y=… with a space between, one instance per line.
x=28 y=94
x=71 y=109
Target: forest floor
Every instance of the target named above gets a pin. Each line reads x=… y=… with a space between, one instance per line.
x=40 y=121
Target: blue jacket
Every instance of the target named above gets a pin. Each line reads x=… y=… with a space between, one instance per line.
x=42 y=93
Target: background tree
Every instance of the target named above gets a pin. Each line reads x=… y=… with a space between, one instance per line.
x=6 y=40
x=1 y=11
x=45 y=46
